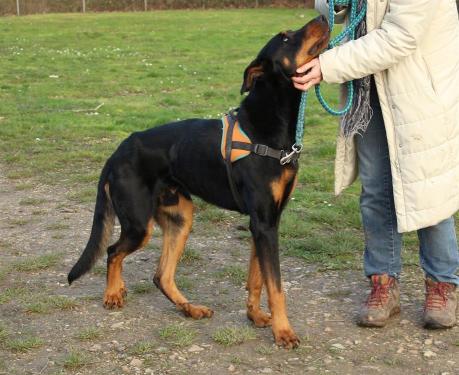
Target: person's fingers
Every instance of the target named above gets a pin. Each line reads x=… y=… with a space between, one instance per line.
x=301 y=80
x=306 y=86
x=307 y=66
x=314 y=74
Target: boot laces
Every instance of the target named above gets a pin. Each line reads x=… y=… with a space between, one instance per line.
x=379 y=295
x=437 y=296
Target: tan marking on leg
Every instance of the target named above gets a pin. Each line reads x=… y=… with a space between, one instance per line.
x=107 y=190
x=282 y=331
x=278 y=186
x=115 y=290
x=175 y=236
x=295 y=182
x=109 y=221
x=254 y=287
x=148 y=234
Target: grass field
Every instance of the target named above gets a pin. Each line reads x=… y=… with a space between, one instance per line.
x=73 y=86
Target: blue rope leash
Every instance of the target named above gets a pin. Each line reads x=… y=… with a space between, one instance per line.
x=349 y=31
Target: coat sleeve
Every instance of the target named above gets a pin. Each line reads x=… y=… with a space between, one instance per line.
x=322 y=7
x=399 y=35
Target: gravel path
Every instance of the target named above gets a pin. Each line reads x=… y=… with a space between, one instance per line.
x=47 y=327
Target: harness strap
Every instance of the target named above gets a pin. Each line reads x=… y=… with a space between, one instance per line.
x=229 y=166
x=261 y=150
x=229 y=145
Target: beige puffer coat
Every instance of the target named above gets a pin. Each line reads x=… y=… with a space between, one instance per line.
x=412 y=48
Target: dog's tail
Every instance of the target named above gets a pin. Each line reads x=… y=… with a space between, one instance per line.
x=102 y=229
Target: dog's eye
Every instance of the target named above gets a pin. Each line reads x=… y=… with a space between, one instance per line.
x=286 y=39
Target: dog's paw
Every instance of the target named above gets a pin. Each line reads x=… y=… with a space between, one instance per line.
x=259 y=318
x=196 y=311
x=286 y=338
x=114 y=300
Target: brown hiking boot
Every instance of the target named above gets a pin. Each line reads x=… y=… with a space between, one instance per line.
x=382 y=303
x=441 y=304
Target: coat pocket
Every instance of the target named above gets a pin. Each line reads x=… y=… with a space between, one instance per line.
x=431 y=81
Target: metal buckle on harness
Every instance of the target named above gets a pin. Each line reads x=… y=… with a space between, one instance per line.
x=296 y=150
x=261 y=150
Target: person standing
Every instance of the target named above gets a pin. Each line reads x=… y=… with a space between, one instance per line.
x=401 y=137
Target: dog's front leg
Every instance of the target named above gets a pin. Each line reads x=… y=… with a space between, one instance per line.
x=254 y=287
x=265 y=237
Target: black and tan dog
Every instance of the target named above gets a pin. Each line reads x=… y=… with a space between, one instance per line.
x=151 y=176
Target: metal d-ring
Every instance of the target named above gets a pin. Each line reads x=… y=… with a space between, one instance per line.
x=296 y=149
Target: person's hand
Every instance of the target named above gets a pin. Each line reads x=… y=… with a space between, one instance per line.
x=311 y=78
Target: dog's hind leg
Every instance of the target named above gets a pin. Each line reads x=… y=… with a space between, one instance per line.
x=254 y=287
x=175 y=220
x=133 y=205
x=116 y=290
x=128 y=243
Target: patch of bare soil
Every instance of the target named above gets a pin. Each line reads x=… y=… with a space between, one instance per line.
x=47 y=327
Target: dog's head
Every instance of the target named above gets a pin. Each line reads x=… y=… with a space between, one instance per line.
x=287 y=51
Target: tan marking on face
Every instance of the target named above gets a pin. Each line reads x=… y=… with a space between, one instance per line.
x=286 y=62
x=315 y=34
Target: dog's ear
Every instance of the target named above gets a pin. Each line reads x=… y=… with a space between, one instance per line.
x=252 y=72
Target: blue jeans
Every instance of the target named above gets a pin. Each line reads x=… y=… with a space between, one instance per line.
x=439 y=256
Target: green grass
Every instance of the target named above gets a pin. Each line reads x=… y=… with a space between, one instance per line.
x=44 y=304
x=145 y=73
x=4 y=333
x=57 y=226
x=143 y=347
x=264 y=350
x=183 y=282
x=11 y=293
x=230 y=336
x=237 y=274
x=37 y=263
x=75 y=360
x=99 y=270
x=23 y=344
x=32 y=201
x=89 y=333
x=190 y=256
x=178 y=335
x=142 y=288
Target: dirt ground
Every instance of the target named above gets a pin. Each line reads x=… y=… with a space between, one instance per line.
x=70 y=332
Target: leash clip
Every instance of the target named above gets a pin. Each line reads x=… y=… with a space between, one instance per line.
x=296 y=150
